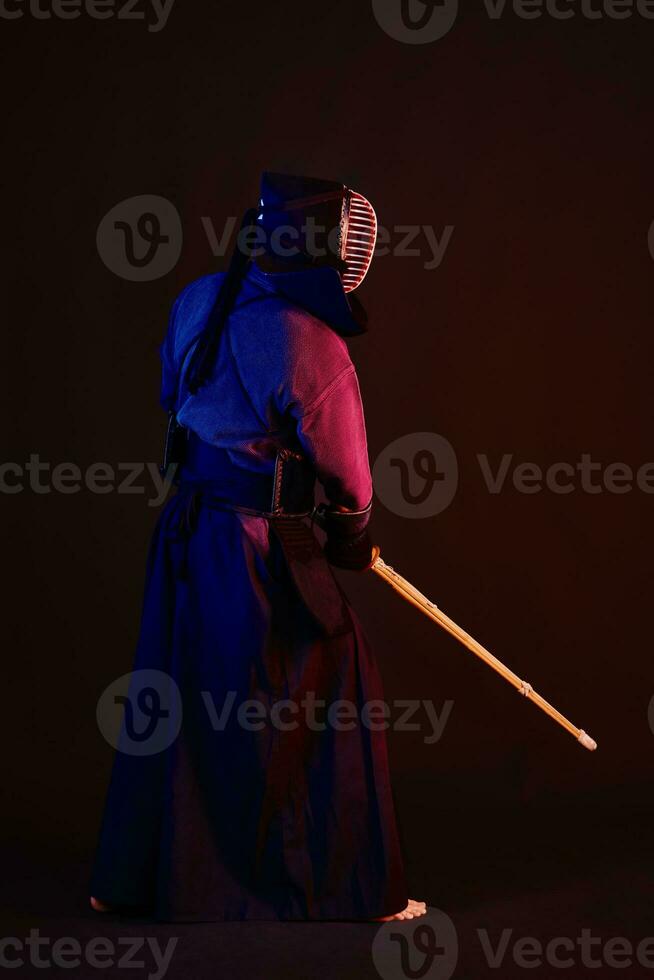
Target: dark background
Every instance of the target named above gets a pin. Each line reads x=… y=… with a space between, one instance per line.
x=533 y=337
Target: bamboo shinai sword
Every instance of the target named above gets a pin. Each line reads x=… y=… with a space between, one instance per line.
x=430 y=609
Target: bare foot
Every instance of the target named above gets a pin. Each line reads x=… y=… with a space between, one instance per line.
x=413 y=911
x=98 y=906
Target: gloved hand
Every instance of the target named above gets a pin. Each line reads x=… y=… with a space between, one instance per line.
x=348 y=545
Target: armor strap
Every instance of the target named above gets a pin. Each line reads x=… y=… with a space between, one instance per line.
x=312 y=575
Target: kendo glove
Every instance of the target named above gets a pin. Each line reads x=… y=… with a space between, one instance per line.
x=348 y=544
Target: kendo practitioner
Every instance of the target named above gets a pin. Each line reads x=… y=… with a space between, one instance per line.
x=291 y=819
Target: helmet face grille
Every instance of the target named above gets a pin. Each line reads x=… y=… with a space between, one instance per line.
x=360 y=240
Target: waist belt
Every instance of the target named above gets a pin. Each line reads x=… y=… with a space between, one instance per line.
x=209 y=477
x=288 y=491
